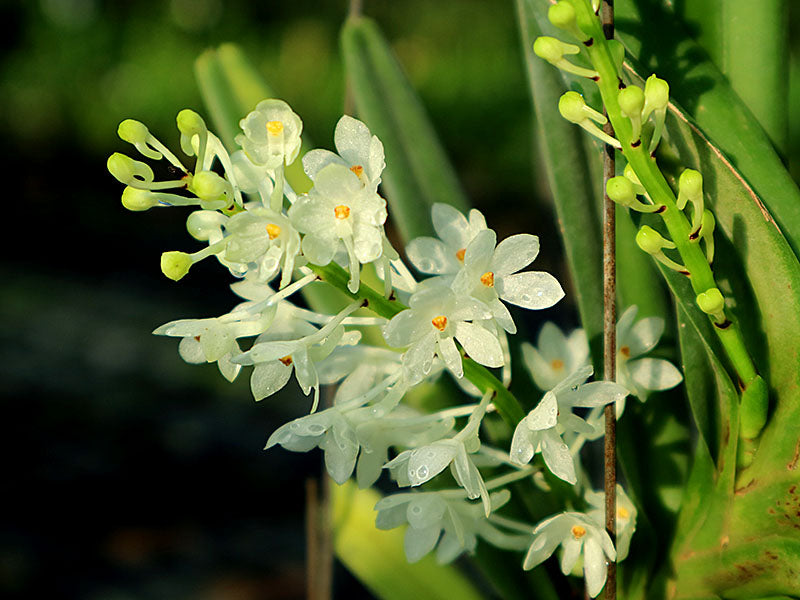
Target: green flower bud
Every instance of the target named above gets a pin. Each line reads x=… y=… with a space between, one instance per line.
x=137 y=200
x=208 y=185
x=553 y=51
x=191 y=124
x=711 y=302
x=175 y=264
x=656 y=93
x=130 y=172
x=690 y=188
x=620 y=190
x=562 y=15
x=573 y=108
x=202 y=224
x=631 y=101
x=136 y=133
x=649 y=240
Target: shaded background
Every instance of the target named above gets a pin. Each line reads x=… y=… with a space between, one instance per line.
x=129 y=474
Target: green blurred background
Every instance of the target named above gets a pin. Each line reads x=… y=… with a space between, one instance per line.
x=129 y=474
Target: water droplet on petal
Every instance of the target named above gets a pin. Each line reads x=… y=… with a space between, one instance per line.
x=316 y=429
x=526 y=298
x=422 y=472
x=416 y=510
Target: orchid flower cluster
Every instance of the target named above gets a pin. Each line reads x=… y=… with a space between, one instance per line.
x=275 y=242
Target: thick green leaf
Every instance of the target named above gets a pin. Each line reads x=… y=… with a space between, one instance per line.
x=418 y=173
x=653 y=35
x=574 y=193
x=748 y=43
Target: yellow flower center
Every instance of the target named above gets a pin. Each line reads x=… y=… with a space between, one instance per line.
x=274 y=127
x=460 y=254
x=578 y=532
x=358 y=170
x=625 y=351
x=341 y=211
x=557 y=364
x=487 y=279
x=287 y=360
x=273 y=231
x=439 y=322
x=623 y=513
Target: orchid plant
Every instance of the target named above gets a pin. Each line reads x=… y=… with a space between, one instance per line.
x=504 y=466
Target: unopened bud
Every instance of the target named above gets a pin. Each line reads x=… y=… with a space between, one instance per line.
x=137 y=200
x=175 y=264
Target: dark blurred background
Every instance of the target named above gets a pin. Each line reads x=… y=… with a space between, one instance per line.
x=127 y=473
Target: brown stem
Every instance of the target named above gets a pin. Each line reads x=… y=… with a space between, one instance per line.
x=609 y=329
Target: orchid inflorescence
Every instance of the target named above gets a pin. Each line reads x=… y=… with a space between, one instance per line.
x=276 y=242
x=638 y=115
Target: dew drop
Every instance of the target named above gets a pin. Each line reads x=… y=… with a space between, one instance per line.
x=316 y=429
x=422 y=472
x=563 y=446
x=416 y=510
x=539 y=293
x=294 y=425
x=526 y=298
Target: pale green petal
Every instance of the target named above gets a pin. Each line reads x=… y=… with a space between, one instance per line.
x=316 y=160
x=479 y=344
x=654 y=373
x=427 y=462
x=319 y=250
x=594 y=567
x=514 y=254
x=572 y=551
x=557 y=456
x=644 y=336
x=191 y=351
x=268 y=378
x=450 y=225
x=431 y=256
x=418 y=542
x=426 y=510
x=530 y=289
x=450 y=355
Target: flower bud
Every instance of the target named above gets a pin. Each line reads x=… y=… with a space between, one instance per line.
x=656 y=93
x=553 y=51
x=137 y=200
x=562 y=15
x=208 y=185
x=631 y=103
x=136 y=133
x=202 y=224
x=175 y=264
x=130 y=172
x=690 y=188
x=620 y=190
x=649 y=240
x=573 y=108
x=191 y=124
x=711 y=301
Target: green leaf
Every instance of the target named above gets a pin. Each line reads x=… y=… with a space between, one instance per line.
x=659 y=42
x=748 y=43
x=376 y=557
x=417 y=173
x=574 y=191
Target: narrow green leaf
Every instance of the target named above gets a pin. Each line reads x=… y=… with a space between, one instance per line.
x=653 y=36
x=376 y=557
x=568 y=176
x=417 y=173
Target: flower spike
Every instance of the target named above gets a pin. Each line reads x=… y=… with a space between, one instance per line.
x=562 y=15
x=690 y=189
x=656 y=99
x=553 y=51
x=631 y=103
x=573 y=108
x=652 y=242
x=622 y=191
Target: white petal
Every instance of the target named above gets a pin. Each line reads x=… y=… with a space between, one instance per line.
x=427 y=462
x=191 y=351
x=316 y=160
x=352 y=139
x=392 y=511
x=625 y=323
x=418 y=359
x=228 y=369
x=557 y=456
x=522 y=448
x=530 y=289
x=644 y=335
x=418 y=542
x=370 y=465
x=654 y=373
x=268 y=378
x=341 y=449
x=319 y=250
x=515 y=253
x=310 y=214
x=426 y=510
x=544 y=544
x=572 y=551
x=400 y=331
x=450 y=225
x=545 y=415
x=502 y=317
x=479 y=344
x=368 y=243
x=544 y=375
x=594 y=567
x=450 y=355
x=431 y=256
x=478 y=256
x=596 y=393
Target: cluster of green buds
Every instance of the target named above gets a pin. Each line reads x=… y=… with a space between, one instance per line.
x=638 y=114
